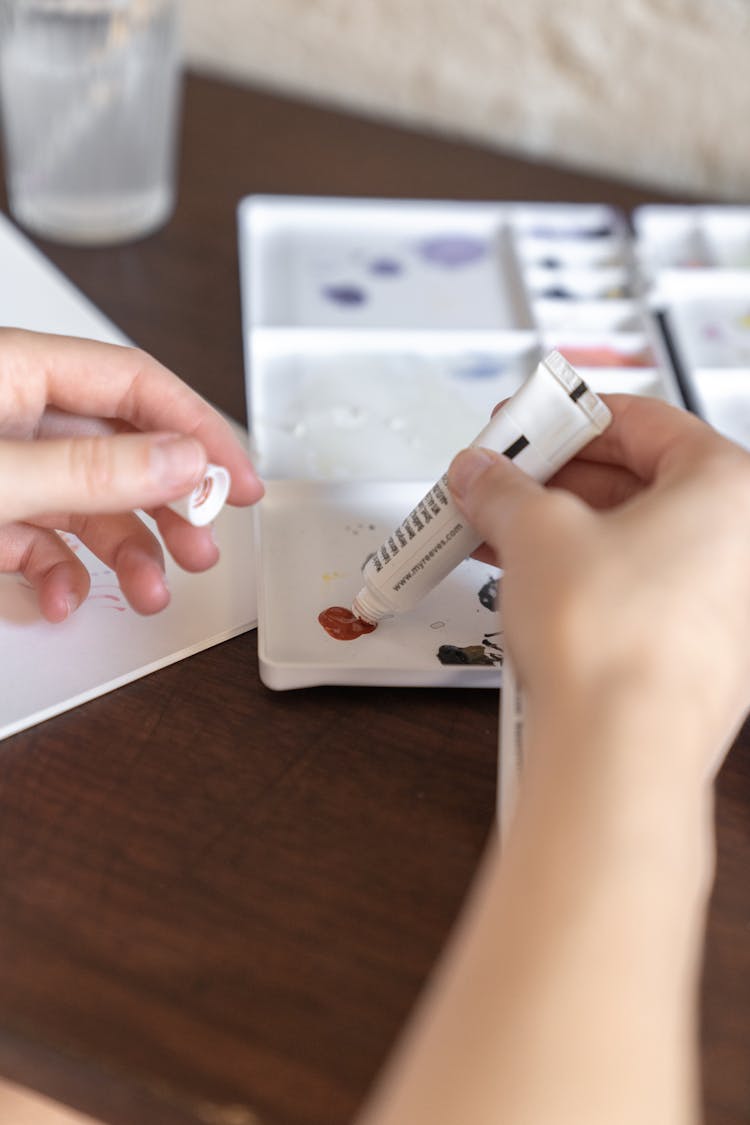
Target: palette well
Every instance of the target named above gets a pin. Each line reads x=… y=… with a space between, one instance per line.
x=371 y=406
x=314 y=538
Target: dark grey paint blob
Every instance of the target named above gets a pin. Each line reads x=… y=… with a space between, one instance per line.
x=488 y=654
x=488 y=594
x=469 y=654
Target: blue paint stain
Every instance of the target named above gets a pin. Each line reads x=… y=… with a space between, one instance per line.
x=347 y=295
x=451 y=251
x=480 y=367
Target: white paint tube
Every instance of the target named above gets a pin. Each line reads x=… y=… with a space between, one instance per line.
x=545 y=423
x=203 y=504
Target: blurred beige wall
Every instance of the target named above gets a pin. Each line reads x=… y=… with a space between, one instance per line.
x=655 y=91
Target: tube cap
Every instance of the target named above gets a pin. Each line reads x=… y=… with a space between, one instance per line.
x=206 y=500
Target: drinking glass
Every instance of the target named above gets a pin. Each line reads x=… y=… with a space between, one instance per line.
x=89 y=101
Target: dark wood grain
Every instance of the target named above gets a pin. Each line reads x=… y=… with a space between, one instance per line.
x=217 y=903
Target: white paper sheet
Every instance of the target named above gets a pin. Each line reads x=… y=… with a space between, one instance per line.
x=51 y=668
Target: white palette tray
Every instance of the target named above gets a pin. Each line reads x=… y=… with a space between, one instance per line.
x=314 y=537
x=378 y=336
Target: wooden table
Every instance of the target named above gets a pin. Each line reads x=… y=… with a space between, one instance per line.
x=218 y=903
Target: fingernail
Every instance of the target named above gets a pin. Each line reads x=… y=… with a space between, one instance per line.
x=72 y=601
x=466 y=467
x=177 y=461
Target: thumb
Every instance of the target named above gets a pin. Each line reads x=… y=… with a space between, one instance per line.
x=89 y=475
x=491 y=491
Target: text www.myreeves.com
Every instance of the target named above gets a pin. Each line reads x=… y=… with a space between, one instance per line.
x=426 y=557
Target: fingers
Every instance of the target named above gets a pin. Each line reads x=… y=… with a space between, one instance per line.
x=102 y=380
x=122 y=542
x=491 y=492
x=599 y=485
x=126 y=546
x=60 y=580
x=192 y=548
x=645 y=435
x=56 y=423
x=97 y=474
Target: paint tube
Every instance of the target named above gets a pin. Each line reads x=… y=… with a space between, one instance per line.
x=203 y=504
x=545 y=423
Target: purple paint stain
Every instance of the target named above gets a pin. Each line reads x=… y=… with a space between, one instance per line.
x=347 y=295
x=451 y=251
x=386 y=267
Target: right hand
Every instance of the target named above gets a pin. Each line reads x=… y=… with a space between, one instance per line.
x=626 y=588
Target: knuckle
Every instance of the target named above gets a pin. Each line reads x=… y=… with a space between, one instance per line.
x=92 y=466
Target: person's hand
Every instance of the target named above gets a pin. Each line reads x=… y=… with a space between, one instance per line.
x=88 y=433
x=626 y=584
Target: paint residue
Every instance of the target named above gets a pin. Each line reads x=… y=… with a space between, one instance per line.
x=341 y=624
x=488 y=594
x=480 y=367
x=386 y=267
x=452 y=251
x=468 y=654
x=557 y=293
x=331 y=576
x=586 y=355
x=566 y=232
x=347 y=295
x=488 y=654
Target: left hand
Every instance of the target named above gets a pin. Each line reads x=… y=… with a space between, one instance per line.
x=88 y=433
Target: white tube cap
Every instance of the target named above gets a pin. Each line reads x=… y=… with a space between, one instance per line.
x=203 y=504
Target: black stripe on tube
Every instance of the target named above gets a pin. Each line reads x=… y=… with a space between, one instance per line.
x=515 y=447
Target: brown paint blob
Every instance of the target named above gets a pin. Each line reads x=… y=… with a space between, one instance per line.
x=342 y=625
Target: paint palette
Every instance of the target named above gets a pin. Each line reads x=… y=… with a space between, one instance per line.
x=378 y=336
x=697 y=260
x=315 y=536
